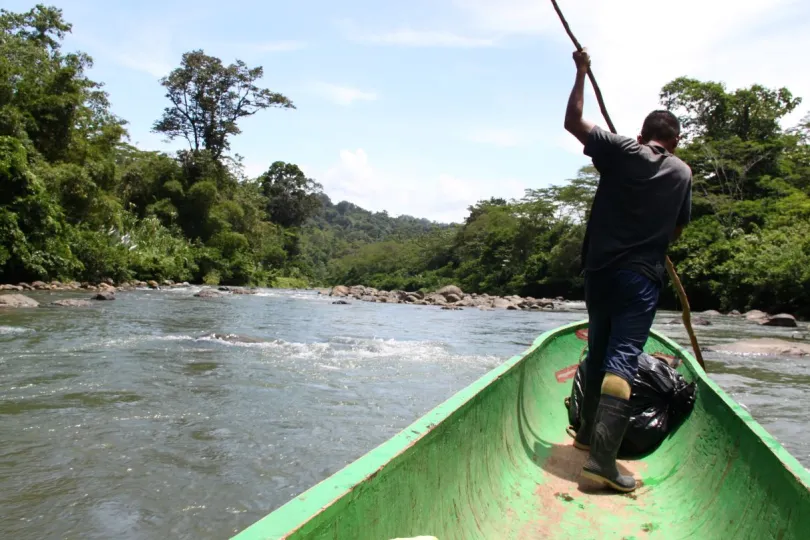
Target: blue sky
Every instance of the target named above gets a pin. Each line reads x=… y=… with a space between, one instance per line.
x=425 y=107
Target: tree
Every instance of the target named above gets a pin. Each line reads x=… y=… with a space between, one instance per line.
x=707 y=109
x=43 y=26
x=32 y=239
x=208 y=98
x=292 y=198
x=45 y=95
x=568 y=202
x=733 y=139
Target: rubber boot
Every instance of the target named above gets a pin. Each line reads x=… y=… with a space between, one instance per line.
x=590 y=401
x=612 y=417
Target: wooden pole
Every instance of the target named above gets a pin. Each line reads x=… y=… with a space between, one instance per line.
x=686 y=314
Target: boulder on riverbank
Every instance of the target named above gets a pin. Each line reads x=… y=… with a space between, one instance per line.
x=10 y=288
x=501 y=303
x=451 y=290
x=450 y=295
x=17 y=301
x=340 y=290
x=764 y=346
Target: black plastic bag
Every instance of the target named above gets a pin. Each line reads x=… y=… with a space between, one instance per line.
x=661 y=399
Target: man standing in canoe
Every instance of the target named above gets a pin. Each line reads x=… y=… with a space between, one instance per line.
x=642 y=203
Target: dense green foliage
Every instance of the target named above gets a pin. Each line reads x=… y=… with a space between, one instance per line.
x=78 y=202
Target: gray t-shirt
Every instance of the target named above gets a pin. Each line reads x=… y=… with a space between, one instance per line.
x=644 y=193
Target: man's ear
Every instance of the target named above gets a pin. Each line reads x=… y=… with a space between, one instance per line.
x=674 y=144
x=638 y=138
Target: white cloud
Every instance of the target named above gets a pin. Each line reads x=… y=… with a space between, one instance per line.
x=407 y=37
x=635 y=51
x=441 y=196
x=498 y=137
x=342 y=95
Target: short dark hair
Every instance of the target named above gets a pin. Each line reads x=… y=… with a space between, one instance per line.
x=661 y=126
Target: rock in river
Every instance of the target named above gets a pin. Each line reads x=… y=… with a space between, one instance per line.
x=242 y=290
x=755 y=315
x=783 y=319
x=72 y=302
x=233 y=338
x=104 y=296
x=208 y=293
x=768 y=346
x=17 y=301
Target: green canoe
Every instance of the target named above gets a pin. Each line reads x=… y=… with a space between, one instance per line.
x=494 y=461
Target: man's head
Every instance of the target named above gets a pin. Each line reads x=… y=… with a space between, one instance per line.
x=661 y=127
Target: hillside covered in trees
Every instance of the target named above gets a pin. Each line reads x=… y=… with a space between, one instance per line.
x=78 y=202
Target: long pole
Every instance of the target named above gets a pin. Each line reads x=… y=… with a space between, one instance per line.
x=686 y=313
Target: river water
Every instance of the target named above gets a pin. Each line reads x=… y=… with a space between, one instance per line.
x=128 y=420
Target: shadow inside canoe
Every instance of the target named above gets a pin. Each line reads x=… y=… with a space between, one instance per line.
x=560 y=460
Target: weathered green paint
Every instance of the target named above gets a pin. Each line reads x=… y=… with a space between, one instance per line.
x=494 y=461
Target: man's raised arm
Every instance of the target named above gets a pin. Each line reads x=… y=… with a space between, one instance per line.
x=574 y=123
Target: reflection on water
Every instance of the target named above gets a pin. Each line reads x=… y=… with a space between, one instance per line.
x=161 y=415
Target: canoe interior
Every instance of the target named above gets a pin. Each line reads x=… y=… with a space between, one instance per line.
x=494 y=461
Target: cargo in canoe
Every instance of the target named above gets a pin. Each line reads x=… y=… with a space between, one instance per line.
x=494 y=462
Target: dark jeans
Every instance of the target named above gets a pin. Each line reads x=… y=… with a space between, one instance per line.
x=621 y=307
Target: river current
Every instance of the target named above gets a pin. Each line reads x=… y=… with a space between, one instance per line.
x=130 y=420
